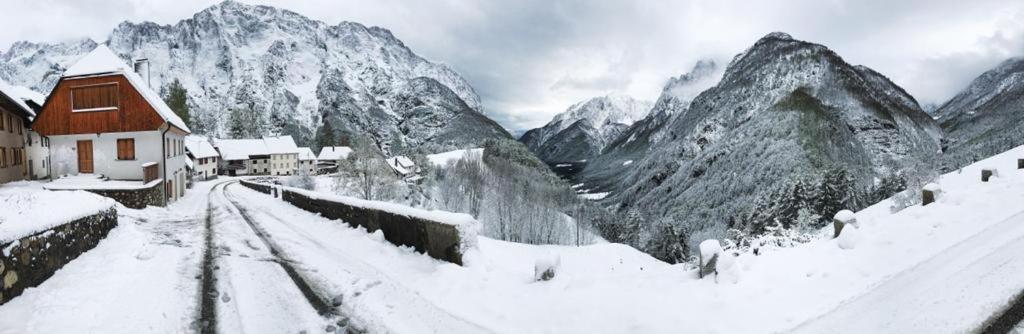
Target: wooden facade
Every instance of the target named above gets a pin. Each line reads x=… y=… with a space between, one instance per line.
x=131 y=112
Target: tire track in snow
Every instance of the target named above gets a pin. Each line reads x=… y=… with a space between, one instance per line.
x=367 y=270
x=207 y=315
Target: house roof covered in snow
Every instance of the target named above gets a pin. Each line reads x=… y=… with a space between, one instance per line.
x=334 y=153
x=401 y=164
x=200 y=147
x=240 y=149
x=281 y=145
x=15 y=96
x=306 y=154
x=103 y=61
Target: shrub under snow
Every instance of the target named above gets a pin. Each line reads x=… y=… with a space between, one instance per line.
x=727 y=270
x=708 y=249
x=544 y=269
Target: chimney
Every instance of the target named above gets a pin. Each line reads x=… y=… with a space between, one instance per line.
x=142 y=68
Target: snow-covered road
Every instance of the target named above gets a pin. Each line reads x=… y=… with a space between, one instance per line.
x=953 y=288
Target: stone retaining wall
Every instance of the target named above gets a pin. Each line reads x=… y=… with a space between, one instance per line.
x=27 y=262
x=135 y=198
x=440 y=240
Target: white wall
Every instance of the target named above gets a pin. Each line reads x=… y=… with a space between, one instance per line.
x=283 y=164
x=149 y=147
x=208 y=170
x=309 y=166
x=38 y=156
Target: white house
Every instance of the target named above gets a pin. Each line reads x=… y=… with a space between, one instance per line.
x=330 y=156
x=403 y=166
x=307 y=161
x=203 y=156
x=103 y=118
x=267 y=156
x=284 y=155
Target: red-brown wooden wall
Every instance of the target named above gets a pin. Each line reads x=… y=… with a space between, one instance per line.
x=133 y=114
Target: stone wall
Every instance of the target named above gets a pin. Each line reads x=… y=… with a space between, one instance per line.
x=440 y=240
x=27 y=262
x=136 y=198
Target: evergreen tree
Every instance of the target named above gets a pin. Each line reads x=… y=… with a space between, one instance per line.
x=177 y=100
x=326 y=135
x=236 y=124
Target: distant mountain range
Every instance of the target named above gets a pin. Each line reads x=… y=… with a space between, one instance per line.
x=987 y=117
x=785 y=112
x=583 y=131
x=294 y=73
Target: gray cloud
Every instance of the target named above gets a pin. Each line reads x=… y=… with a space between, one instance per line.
x=531 y=59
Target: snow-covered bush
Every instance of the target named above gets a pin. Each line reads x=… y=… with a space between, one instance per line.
x=302 y=180
x=546 y=267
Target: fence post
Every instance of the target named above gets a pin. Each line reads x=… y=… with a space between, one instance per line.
x=840 y=220
x=986 y=174
x=929 y=193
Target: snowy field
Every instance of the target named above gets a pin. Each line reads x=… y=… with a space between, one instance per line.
x=945 y=267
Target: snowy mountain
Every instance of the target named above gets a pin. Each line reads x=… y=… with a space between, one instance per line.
x=636 y=142
x=987 y=117
x=786 y=116
x=582 y=131
x=291 y=72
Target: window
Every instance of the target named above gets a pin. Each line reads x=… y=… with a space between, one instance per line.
x=168 y=148
x=101 y=97
x=2 y=126
x=126 y=149
x=3 y=157
x=10 y=122
x=21 y=126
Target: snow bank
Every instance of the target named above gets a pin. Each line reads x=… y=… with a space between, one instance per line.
x=26 y=208
x=849 y=238
x=442 y=159
x=845 y=216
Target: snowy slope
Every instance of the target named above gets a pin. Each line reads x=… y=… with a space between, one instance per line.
x=784 y=111
x=290 y=71
x=987 y=117
x=583 y=130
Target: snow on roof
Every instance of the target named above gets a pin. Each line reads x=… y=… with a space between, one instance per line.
x=200 y=147
x=18 y=95
x=334 y=153
x=240 y=149
x=280 y=145
x=103 y=61
x=306 y=154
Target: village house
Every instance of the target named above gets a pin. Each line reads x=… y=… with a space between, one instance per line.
x=103 y=119
x=307 y=161
x=284 y=155
x=203 y=158
x=14 y=116
x=330 y=156
x=403 y=166
x=267 y=156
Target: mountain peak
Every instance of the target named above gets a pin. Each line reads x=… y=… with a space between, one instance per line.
x=778 y=35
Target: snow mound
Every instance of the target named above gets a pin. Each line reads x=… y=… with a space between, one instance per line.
x=544 y=269
x=849 y=238
x=845 y=216
x=933 y=187
x=708 y=249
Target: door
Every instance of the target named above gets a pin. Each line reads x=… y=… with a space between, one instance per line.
x=85 y=156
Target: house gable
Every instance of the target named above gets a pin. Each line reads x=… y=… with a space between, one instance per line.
x=132 y=112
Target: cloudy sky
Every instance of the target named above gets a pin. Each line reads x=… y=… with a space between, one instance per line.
x=530 y=59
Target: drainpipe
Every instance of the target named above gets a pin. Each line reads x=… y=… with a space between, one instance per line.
x=163 y=155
